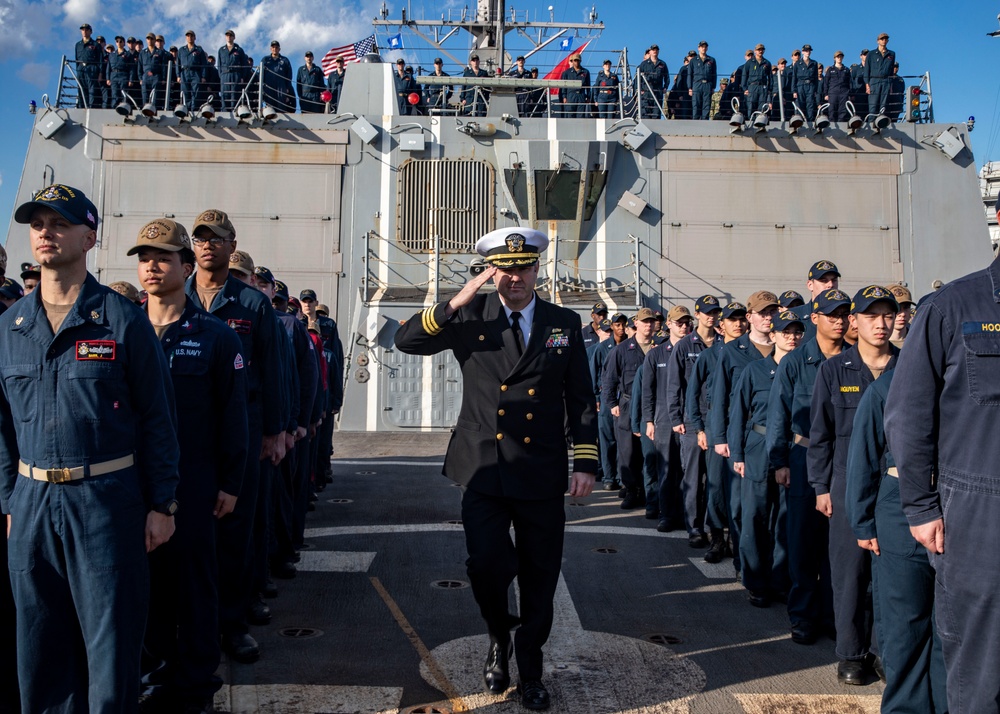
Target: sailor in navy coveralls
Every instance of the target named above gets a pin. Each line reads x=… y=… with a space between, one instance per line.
x=88 y=468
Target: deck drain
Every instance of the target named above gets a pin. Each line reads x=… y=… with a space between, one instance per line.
x=427 y=709
x=660 y=638
x=449 y=584
x=454 y=523
x=606 y=551
x=300 y=633
x=365 y=473
x=340 y=500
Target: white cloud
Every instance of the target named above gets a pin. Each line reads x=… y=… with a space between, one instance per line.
x=82 y=10
x=23 y=27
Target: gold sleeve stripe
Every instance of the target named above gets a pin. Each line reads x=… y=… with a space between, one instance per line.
x=585 y=452
x=429 y=323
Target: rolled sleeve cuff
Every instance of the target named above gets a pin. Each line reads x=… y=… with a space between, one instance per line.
x=921 y=517
x=585 y=458
x=865 y=531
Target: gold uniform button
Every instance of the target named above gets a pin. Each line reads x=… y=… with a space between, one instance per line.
x=501 y=412
x=503 y=387
x=482 y=337
x=499 y=437
x=529 y=416
x=527 y=440
x=559 y=352
x=531 y=392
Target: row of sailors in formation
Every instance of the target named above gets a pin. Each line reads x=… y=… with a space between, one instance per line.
x=105 y=72
x=763 y=420
x=206 y=419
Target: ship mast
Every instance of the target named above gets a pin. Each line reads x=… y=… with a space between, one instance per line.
x=489 y=27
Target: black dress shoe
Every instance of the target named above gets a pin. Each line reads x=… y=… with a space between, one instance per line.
x=534 y=695
x=283 y=570
x=877 y=666
x=759 y=598
x=803 y=634
x=259 y=613
x=717 y=550
x=611 y=485
x=664 y=526
x=270 y=590
x=853 y=672
x=697 y=540
x=496 y=670
x=622 y=492
x=242 y=648
x=652 y=514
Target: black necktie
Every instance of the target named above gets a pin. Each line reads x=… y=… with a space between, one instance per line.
x=515 y=325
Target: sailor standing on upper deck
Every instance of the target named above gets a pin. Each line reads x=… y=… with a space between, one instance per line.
x=525 y=378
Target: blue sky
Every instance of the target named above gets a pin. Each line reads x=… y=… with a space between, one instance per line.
x=947 y=40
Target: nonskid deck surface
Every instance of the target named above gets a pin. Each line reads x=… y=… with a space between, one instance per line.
x=380 y=618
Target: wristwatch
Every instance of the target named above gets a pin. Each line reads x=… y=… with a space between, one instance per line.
x=167 y=508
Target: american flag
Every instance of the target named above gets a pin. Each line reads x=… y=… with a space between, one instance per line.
x=350 y=53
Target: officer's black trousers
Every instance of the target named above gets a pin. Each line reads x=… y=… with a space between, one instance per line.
x=534 y=557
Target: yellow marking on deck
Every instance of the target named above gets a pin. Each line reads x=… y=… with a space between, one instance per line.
x=440 y=679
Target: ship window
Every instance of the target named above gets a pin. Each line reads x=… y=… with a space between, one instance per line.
x=557 y=195
x=517 y=185
x=595 y=186
x=451 y=201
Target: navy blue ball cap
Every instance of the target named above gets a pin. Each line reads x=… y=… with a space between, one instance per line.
x=785 y=318
x=790 y=298
x=605 y=325
x=821 y=268
x=707 y=303
x=600 y=308
x=826 y=302
x=868 y=296
x=619 y=317
x=264 y=274
x=308 y=294
x=734 y=309
x=70 y=203
x=280 y=290
x=11 y=289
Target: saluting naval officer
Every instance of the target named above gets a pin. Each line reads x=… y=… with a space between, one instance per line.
x=525 y=380
x=207 y=373
x=941 y=422
x=88 y=457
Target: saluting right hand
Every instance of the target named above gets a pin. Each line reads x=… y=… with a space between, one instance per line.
x=469 y=291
